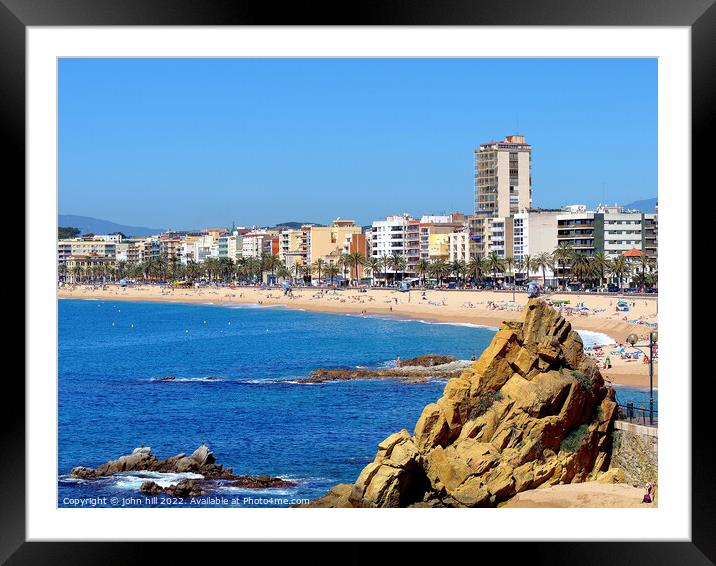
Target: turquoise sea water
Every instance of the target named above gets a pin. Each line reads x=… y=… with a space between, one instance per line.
x=236 y=370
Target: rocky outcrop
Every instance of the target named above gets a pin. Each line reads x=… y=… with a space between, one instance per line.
x=533 y=410
x=185 y=488
x=428 y=360
x=409 y=373
x=201 y=461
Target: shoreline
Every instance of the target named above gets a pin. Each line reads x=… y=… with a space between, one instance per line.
x=392 y=304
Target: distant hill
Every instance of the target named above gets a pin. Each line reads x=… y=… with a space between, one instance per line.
x=89 y=225
x=646 y=205
x=295 y=225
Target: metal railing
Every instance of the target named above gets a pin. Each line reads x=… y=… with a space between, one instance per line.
x=636 y=414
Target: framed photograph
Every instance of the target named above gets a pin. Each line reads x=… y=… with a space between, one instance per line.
x=420 y=276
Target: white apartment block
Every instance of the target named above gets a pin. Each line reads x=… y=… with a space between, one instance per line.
x=252 y=244
x=459 y=246
x=230 y=246
x=534 y=233
x=390 y=236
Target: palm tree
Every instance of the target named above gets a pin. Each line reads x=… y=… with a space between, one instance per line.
x=459 y=268
x=509 y=269
x=495 y=264
x=297 y=269
x=355 y=260
x=373 y=265
x=438 y=269
x=283 y=272
x=397 y=263
x=270 y=262
x=525 y=264
x=563 y=254
x=542 y=262
x=318 y=267
x=384 y=264
x=645 y=262
x=601 y=265
x=580 y=268
x=121 y=269
x=619 y=268
x=421 y=268
x=344 y=263
x=331 y=271
x=76 y=273
x=307 y=271
x=476 y=268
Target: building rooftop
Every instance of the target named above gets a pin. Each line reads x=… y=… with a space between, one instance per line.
x=632 y=253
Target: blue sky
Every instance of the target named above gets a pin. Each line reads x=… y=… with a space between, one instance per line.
x=188 y=143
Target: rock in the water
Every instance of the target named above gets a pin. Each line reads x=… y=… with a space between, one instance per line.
x=428 y=360
x=202 y=461
x=260 y=482
x=185 y=488
x=532 y=411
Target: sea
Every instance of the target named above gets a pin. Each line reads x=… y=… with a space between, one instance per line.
x=237 y=387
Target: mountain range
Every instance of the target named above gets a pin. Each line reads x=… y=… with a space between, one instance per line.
x=89 y=225
x=645 y=205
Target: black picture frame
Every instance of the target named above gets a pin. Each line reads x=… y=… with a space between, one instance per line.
x=16 y=15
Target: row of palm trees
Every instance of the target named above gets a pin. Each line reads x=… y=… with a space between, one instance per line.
x=566 y=263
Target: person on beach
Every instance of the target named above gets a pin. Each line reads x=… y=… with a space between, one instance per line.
x=473 y=358
x=397 y=361
x=608 y=363
x=648 y=495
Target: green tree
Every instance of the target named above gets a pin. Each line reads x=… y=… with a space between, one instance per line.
x=495 y=265
x=67 y=232
x=373 y=265
x=542 y=262
x=619 y=268
x=318 y=267
x=397 y=263
x=439 y=268
x=476 y=268
x=562 y=256
x=601 y=266
x=354 y=261
x=422 y=267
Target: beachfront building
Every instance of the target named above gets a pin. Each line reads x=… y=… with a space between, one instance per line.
x=114 y=238
x=459 y=246
x=356 y=243
x=499 y=240
x=87 y=267
x=503 y=176
x=82 y=247
x=610 y=230
x=256 y=243
x=170 y=248
x=534 y=232
x=230 y=246
x=327 y=242
x=477 y=225
x=294 y=247
x=390 y=236
x=434 y=234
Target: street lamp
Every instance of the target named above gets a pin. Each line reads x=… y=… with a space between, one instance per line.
x=653 y=338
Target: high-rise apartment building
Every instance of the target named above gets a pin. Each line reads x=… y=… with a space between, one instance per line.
x=503 y=177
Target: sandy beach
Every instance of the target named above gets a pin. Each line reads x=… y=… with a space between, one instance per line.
x=488 y=308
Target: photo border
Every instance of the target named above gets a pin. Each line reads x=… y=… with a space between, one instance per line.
x=16 y=15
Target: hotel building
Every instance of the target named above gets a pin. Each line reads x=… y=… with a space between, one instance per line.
x=503 y=176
